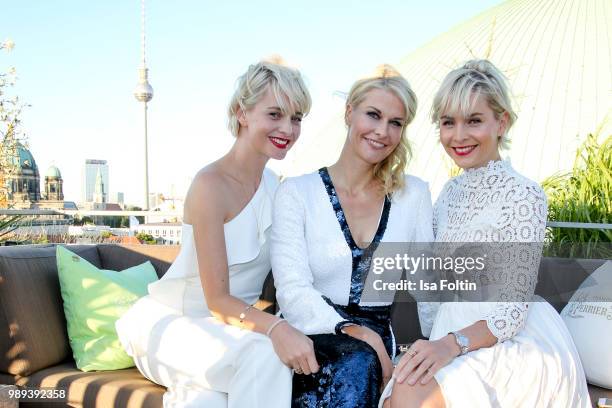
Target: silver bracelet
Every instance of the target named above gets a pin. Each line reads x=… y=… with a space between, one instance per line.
x=243 y=314
x=273 y=325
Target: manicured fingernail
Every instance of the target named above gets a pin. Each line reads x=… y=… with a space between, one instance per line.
x=411 y=382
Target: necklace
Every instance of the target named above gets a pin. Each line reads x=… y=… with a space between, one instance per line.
x=243 y=185
x=260 y=233
x=250 y=203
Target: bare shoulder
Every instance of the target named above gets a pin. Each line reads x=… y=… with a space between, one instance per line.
x=206 y=195
x=206 y=180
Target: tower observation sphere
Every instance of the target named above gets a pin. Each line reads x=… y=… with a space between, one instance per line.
x=144 y=90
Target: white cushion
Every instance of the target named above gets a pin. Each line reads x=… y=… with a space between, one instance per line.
x=588 y=316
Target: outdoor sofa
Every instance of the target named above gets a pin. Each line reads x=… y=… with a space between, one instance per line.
x=34 y=347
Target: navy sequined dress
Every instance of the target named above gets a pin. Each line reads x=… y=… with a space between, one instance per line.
x=350 y=373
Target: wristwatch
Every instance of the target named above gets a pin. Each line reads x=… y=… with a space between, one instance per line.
x=462 y=341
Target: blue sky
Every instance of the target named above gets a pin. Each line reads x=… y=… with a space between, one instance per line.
x=77 y=66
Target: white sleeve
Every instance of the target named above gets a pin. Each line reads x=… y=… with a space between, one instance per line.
x=521 y=261
x=427 y=305
x=300 y=303
x=424 y=222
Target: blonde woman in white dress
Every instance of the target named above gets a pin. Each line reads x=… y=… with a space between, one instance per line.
x=327 y=224
x=516 y=353
x=196 y=332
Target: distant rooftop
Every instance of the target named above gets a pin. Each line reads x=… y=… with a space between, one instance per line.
x=113 y=207
x=161 y=224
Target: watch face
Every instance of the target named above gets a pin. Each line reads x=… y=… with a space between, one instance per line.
x=463 y=342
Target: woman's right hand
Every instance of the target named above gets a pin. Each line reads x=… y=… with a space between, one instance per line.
x=294 y=348
x=375 y=341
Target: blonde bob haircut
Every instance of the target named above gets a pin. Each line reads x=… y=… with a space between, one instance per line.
x=462 y=87
x=286 y=84
x=390 y=171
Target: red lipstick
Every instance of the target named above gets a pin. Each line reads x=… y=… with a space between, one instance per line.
x=279 y=142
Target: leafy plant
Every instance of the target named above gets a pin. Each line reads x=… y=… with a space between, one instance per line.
x=10 y=137
x=11 y=134
x=584 y=195
x=8 y=224
x=146 y=238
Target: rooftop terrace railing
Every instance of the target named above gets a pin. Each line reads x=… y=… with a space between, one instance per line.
x=80 y=213
x=102 y=213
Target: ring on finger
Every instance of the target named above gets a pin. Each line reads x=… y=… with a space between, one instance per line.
x=412 y=353
x=298 y=370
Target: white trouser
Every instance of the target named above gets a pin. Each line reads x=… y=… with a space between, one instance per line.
x=202 y=361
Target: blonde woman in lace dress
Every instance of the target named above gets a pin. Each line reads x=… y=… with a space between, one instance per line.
x=515 y=353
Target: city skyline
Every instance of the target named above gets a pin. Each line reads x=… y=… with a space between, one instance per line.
x=79 y=76
x=89 y=178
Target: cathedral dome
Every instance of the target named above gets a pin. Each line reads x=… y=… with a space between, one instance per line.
x=53 y=172
x=21 y=175
x=24 y=161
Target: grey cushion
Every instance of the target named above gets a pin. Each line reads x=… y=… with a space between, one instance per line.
x=597 y=392
x=558 y=278
x=33 y=335
x=32 y=324
x=405 y=319
x=120 y=257
x=121 y=388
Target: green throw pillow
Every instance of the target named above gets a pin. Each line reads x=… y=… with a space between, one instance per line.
x=94 y=299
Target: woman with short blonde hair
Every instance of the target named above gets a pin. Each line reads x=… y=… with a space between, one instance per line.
x=505 y=347
x=197 y=332
x=285 y=83
x=475 y=78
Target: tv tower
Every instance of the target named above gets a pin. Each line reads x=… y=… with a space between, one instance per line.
x=144 y=93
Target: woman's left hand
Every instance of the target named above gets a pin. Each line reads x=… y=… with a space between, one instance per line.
x=424 y=358
x=369 y=336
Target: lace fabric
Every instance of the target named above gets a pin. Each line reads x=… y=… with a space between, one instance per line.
x=492 y=204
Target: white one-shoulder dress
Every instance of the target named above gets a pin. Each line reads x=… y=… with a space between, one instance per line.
x=535 y=362
x=176 y=342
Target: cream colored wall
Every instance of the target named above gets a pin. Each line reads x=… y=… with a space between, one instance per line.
x=557 y=56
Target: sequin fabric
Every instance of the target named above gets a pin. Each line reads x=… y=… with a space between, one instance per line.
x=350 y=373
x=362 y=257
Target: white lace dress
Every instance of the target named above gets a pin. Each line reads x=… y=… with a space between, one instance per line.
x=535 y=362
